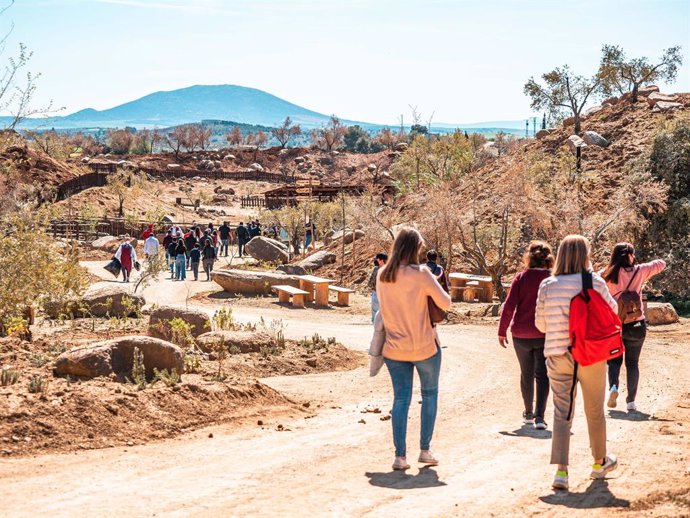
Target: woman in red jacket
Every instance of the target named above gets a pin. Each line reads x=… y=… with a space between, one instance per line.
x=528 y=341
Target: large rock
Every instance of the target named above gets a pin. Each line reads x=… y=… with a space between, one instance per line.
x=347 y=235
x=655 y=97
x=173 y=167
x=267 y=249
x=660 y=313
x=591 y=111
x=110 y=243
x=575 y=142
x=245 y=341
x=116 y=356
x=611 y=100
x=159 y=321
x=664 y=106
x=291 y=269
x=317 y=260
x=592 y=138
x=543 y=133
x=103 y=299
x=251 y=283
x=257 y=167
x=647 y=90
x=401 y=146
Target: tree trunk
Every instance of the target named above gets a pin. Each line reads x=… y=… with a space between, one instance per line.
x=577 y=124
x=633 y=97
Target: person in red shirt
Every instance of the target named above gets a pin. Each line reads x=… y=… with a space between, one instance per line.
x=528 y=341
x=149 y=230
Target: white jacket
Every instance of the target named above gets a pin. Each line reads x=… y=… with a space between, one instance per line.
x=151 y=246
x=553 y=308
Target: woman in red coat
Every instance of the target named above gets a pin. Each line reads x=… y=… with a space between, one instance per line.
x=127 y=256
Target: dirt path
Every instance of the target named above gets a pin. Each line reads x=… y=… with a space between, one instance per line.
x=332 y=464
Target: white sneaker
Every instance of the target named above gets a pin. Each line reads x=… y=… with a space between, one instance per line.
x=560 y=481
x=427 y=457
x=632 y=407
x=613 y=397
x=400 y=463
x=600 y=470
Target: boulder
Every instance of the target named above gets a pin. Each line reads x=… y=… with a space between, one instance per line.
x=219 y=198
x=168 y=220
x=401 y=146
x=592 y=138
x=591 y=111
x=569 y=121
x=291 y=269
x=173 y=167
x=160 y=317
x=218 y=164
x=655 y=97
x=256 y=167
x=543 y=133
x=116 y=357
x=251 y=282
x=647 y=90
x=224 y=190
x=106 y=243
x=317 y=260
x=664 y=106
x=575 y=142
x=245 y=341
x=267 y=249
x=660 y=313
x=299 y=159
x=230 y=157
x=350 y=169
x=371 y=168
x=347 y=235
x=105 y=299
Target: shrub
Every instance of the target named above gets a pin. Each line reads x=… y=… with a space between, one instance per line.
x=37 y=384
x=8 y=376
x=138 y=374
x=169 y=378
x=192 y=363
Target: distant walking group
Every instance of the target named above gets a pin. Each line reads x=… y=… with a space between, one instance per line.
x=569 y=325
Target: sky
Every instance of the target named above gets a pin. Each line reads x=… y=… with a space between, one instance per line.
x=457 y=61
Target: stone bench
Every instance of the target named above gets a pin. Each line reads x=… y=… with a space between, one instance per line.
x=343 y=294
x=470 y=291
x=286 y=291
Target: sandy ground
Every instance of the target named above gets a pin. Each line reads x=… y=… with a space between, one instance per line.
x=338 y=463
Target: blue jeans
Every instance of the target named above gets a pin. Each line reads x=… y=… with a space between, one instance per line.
x=402 y=374
x=181 y=267
x=374 y=305
x=307 y=241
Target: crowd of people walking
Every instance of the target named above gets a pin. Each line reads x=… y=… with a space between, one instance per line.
x=538 y=313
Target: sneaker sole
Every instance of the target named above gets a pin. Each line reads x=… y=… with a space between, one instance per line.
x=613 y=400
x=602 y=475
x=400 y=468
x=559 y=485
x=428 y=462
x=540 y=426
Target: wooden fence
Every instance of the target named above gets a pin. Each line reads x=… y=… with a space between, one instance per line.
x=79 y=183
x=269 y=203
x=83 y=229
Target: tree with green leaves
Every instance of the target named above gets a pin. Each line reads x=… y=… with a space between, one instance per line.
x=562 y=91
x=621 y=74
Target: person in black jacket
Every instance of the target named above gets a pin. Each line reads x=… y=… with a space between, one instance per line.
x=436 y=269
x=224 y=231
x=170 y=252
x=209 y=257
x=243 y=237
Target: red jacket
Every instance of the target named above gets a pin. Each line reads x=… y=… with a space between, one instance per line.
x=521 y=303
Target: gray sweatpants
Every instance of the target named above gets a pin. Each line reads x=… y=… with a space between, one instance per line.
x=592 y=381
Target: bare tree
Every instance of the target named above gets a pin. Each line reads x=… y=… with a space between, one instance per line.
x=562 y=91
x=201 y=135
x=332 y=135
x=234 y=138
x=286 y=131
x=176 y=139
x=622 y=74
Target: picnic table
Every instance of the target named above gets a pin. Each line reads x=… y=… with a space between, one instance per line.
x=316 y=288
x=484 y=286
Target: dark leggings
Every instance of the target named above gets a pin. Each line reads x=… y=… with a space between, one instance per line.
x=634 y=334
x=530 y=353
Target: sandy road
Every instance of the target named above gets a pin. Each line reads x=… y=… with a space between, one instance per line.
x=334 y=465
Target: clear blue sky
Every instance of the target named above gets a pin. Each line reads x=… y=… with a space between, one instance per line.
x=465 y=60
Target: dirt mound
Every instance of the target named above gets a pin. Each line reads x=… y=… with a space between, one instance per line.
x=65 y=414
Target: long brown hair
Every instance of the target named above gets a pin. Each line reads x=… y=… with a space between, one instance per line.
x=621 y=257
x=405 y=251
x=538 y=255
x=573 y=256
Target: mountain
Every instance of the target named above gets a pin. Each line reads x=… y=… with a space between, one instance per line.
x=217 y=102
x=192 y=104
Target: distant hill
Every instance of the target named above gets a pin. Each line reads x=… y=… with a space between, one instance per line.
x=186 y=105
x=218 y=102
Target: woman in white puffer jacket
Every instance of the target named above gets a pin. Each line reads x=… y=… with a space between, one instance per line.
x=552 y=317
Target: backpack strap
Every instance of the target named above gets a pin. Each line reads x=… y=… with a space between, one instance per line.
x=587 y=284
x=632 y=279
x=572 y=393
